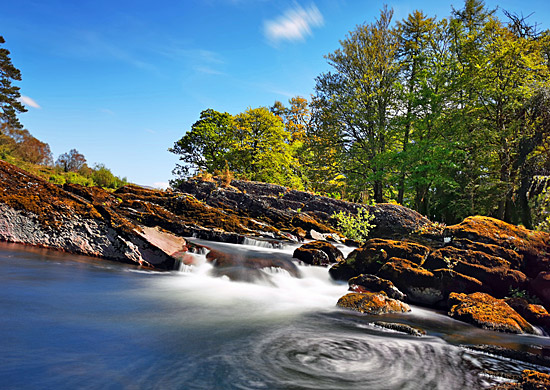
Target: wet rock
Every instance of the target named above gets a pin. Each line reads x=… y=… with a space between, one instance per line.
x=372 y=303
x=318 y=253
x=403 y=328
x=222 y=260
x=369 y=258
x=312 y=256
x=418 y=283
x=530 y=380
x=372 y=283
x=534 y=314
x=487 y=312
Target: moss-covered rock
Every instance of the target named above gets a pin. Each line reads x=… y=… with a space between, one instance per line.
x=372 y=303
x=418 y=283
x=532 y=246
x=487 y=312
x=530 y=380
x=369 y=258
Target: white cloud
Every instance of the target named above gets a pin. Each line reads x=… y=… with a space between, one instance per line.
x=27 y=101
x=294 y=25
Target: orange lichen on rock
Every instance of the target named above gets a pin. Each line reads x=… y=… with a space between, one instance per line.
x=372 y=303
x=483 y=310
x=26 y=192
x=530 y=380
x=533 y=246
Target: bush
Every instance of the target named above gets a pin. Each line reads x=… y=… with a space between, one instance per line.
x=103 y=177
x=75 y=178
x=355 y=227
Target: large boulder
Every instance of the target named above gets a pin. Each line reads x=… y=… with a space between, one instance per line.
x=318 y=253
x=393 y=220
x=495 y=272
x=418 y=283
x=427 y=287
x=532 y=246
x=372 y=303
x=487 y=312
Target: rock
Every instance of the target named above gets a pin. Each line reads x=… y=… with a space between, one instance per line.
x=315 y=235
x=369 y=258
x=238 y=264
x=309 y=252
x=312 y=256
x=486 y=312
x=372 y=283
x=427 y=287
x=534 y=314
x=372 y=303
x=494 y=271
x=418 y=283
x=532 y=246
x=510 y=255
x=530 y=380
x=448 y=281
x=403 y=328
x=442 y=258
x=394 y=220
x=541 y=287
x=299 y=233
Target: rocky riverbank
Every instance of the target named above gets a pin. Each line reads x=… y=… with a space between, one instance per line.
x=482 y=270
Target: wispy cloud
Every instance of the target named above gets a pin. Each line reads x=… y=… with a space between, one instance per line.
x=294 y=25
x=200 y=60
x=27 y=101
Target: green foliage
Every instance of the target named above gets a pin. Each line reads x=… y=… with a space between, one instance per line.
x=103 y=177
x=355 y=227
x=254 y=144
x=517 y=293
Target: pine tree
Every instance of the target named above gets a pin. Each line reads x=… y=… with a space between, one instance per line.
x=10 y=105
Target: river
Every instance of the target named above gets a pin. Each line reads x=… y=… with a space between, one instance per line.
x=72 y=322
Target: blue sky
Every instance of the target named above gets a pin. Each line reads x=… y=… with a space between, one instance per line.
x=122 y=80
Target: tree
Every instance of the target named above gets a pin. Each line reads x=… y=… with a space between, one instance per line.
x=261 y=148
x=22 y=145
x=206 y=146
x=359 y=96
x=71 y=161
x=254 y=145
x=10 y=105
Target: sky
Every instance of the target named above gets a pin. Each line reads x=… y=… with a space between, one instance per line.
x=122 y=80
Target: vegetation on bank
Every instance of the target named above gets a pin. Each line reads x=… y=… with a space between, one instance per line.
x=448 y=116
x=19 y=147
